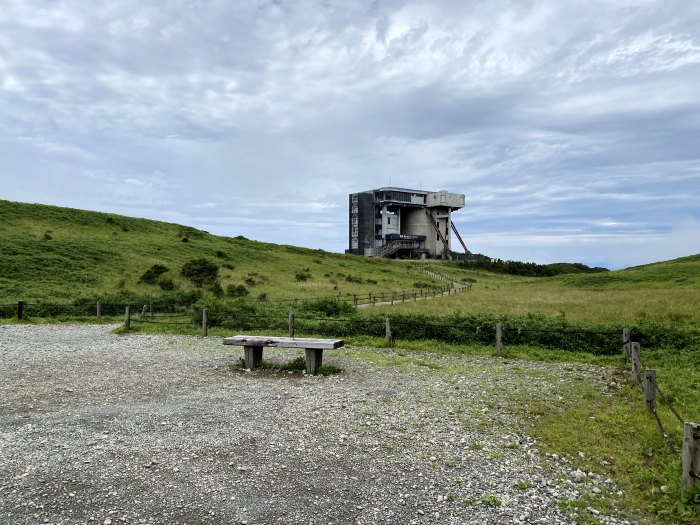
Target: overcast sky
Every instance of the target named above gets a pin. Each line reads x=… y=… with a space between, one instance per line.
x=571 y=126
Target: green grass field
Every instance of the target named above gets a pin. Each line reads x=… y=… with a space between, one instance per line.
x=57 y=255
x=667 y=292
x=52 y=254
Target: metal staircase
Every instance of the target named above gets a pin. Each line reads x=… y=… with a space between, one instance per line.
x=392 y=247
x=454 y=229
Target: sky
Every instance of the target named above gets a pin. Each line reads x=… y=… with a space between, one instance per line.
x=572 y=127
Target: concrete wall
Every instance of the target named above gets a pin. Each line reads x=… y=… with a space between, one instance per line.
x=445 y=199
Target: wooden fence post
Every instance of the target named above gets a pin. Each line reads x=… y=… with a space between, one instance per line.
x=499 y=338
x=636 y=363
x=389 y=333
x=150 y=308
x=392 y=297
x=650 y=389
x=690 y=477
x=98 y=310
x=205 y=322
x=291 y=324
x=354 y=299
x=20 y=310
x=626 y=343
x=127 y=318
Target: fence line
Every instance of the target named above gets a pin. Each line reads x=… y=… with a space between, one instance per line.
x=690 y=454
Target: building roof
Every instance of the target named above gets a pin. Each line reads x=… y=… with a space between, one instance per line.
x=394 y=188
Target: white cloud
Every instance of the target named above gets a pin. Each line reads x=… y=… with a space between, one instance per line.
x=573 y=118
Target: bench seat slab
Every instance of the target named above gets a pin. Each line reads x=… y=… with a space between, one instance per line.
x=285 y=342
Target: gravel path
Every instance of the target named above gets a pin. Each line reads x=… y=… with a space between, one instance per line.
x=100 y=428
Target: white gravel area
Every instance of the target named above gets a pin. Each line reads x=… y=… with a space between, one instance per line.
x=108 y=429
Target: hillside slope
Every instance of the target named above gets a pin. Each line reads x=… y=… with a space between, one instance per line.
x=665 y=292
x=49 y=253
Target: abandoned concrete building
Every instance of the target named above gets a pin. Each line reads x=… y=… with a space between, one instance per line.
x=398 y=222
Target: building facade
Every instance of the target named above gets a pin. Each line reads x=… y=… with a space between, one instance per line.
x=392 y=222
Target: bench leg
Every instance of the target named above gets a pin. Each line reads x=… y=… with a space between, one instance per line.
x=314 y=359
x=252 y=356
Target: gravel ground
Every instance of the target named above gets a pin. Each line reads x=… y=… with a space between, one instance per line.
x=100 y=428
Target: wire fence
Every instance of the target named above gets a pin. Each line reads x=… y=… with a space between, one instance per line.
x=645 y=378
x=453 y=330
x=84 y=308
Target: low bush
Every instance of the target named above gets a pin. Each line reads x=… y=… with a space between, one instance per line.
x=201 y=272
x=302 y=275
x=328 y=307
x=236 y=290
x=166 y=283
x=151 y=276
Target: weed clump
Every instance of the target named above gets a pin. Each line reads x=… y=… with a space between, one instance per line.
x=295 y=365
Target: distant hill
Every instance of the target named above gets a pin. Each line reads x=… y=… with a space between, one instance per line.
x=681 y=272
x=527 y=269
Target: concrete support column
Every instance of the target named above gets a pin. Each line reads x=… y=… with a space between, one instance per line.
x=314 y=359
x=252 y=356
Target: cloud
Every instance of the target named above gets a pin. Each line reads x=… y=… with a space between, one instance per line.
x=567 y=124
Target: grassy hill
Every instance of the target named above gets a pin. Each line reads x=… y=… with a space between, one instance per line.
x=53 y=254
x=48 y=253
x=665 y=292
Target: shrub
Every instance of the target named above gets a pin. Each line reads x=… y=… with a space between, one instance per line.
x=302 y=275
x=166 y=283
x=47 y=235
x=151 y=275
x=236 y=290
x=216 y=289
x=228 y=266
x=200 y=271
x=328 y=307
x=250 y=281
x=262 y=297
x=353 y=279
x=221 y=254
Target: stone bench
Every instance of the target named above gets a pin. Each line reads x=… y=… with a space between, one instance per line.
x=253 y=348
